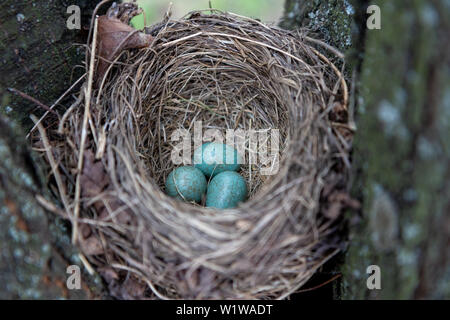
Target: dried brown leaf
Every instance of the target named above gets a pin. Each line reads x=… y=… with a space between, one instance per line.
x=115 y=35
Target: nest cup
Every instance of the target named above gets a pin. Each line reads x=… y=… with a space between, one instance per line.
x=229 y=72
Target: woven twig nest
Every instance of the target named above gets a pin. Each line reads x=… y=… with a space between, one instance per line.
x=229 y=72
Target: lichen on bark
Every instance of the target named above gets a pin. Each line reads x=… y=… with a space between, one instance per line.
x=402 y=156
x=35 y=248
x=331 y=20
x=39 y=53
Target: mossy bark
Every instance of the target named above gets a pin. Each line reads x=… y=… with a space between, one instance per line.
x=35 y=248
x=39 y=54
x=401 y=152
x=37 y=57
x=333 y=22
x=402 y=155
x=330 y=20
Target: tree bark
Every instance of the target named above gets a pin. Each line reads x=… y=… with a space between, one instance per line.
x=330 y=20
x=402 y=155
x=38 y=57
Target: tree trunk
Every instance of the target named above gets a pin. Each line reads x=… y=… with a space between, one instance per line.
x=402 y=155
x=330 y=19
x=35 y=247
x=402 y=145
x=38 y=57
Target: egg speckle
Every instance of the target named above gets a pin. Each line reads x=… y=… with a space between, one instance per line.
x=226 y=190
x=186 y=183
x=213 y=158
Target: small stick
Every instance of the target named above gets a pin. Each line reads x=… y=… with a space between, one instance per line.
x=93 y=18
x=84 y=135
x=54 y=104
x=53 y=165
x=139 y=274
x=326 y=46
x=51 y=207
x=182 y=39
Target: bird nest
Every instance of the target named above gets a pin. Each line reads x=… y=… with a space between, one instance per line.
x=111 y=152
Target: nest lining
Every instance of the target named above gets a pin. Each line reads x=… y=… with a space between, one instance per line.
x=229 y=72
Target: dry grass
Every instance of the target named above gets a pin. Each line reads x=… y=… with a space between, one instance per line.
x=232 y=73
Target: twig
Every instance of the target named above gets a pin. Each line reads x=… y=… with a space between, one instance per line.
x=93 y=18
x=182 y=39
x=326 y=46
x=320 y=285
x=53 y=165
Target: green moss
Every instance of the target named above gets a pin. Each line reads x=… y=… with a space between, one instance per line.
x=35 y=245
x=331 y=20
x=402 y=147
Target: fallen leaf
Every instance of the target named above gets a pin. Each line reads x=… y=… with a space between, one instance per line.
x=115 y=35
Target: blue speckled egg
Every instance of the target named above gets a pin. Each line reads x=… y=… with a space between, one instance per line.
x=213 y=158
x=186 y=183
x=226 y=190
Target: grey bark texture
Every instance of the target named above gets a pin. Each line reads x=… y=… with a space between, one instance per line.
x=401 y=159
x=35 y=248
